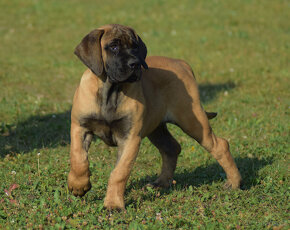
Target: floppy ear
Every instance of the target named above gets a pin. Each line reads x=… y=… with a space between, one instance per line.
x=142 y=52
x=89 y=51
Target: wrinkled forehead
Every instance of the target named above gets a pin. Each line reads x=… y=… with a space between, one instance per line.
x=123 y=34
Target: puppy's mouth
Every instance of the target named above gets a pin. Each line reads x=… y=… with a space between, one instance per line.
x=136 y=76
x=131 y=72
x=131 y=76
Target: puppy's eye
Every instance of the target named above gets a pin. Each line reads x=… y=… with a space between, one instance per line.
x=114 y=48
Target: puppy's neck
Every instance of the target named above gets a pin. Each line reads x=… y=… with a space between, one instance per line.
x=109 y=96
x=110 y=91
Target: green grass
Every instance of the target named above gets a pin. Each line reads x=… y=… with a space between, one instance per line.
x=239 y=51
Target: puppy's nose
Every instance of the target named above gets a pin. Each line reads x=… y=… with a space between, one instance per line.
x=134 y=64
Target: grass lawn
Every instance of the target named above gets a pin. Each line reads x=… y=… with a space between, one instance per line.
x=239 y=51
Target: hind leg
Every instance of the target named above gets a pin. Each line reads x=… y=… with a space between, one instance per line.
x=169 y=150
x=196 y=125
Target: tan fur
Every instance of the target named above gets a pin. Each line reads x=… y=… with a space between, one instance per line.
x=167 y=91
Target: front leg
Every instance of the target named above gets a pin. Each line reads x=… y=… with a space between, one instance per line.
x=127 y=154
x=79 y=175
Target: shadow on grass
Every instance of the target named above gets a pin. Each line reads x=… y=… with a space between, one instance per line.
x=208 y=174
x=208 y=91
x=37 y=132
x=52 y=130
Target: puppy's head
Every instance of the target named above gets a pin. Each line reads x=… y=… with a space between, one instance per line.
x=115 y=52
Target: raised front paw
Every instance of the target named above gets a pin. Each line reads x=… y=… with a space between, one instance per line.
x=78 y=185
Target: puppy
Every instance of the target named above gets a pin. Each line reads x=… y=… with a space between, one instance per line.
x=123 y=97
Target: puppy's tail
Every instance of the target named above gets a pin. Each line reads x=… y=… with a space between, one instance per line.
x=211 y=115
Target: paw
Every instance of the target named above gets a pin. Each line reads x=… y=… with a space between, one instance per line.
x=232 y=184
x=114 y=204
x=79 y=186
x=161 y=183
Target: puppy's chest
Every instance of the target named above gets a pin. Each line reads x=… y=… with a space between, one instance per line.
x=110 y=131
x=107 y=122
